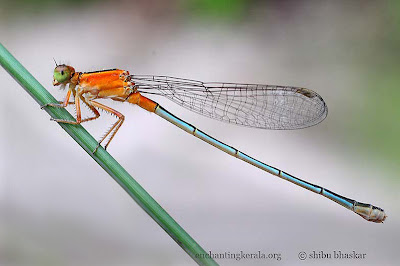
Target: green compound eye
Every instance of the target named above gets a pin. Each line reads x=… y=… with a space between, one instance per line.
x=62 y=74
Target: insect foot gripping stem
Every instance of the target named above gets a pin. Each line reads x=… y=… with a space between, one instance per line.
x=97 y=147
x=370 y=212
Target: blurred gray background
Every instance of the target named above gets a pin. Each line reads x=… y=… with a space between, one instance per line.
x=58 y=207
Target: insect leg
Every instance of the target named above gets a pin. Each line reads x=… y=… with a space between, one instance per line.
x=78 y=110
x=60 y=104
x=113 y=130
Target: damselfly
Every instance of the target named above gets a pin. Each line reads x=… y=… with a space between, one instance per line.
x=252 y=105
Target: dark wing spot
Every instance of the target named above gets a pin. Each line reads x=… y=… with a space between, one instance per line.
x=306 y=92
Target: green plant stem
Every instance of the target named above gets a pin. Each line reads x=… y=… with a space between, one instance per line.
x=105 y=160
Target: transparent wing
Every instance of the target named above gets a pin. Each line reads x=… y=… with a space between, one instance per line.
x=252 y=105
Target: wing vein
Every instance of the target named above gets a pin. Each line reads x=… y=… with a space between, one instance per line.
x=252 y=105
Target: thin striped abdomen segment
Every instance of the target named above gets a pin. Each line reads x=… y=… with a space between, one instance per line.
x=367 y=211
